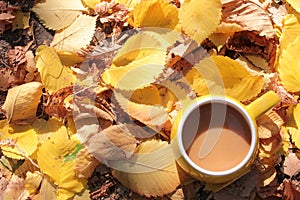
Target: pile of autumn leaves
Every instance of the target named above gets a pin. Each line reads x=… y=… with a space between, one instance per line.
x=59 y=157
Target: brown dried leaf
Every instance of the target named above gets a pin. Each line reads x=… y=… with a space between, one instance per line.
x=85 y=164
x=112 y=143
x=16 y=189
x=291 y=190
x=250 y=15
x=269 y=125
x=291 y=165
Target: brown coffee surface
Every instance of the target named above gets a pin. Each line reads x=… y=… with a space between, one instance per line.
x=222 y=139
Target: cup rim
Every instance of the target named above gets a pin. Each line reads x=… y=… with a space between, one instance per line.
x=241 y=109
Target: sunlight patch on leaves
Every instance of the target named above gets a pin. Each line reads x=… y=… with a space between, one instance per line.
x=57 y=14
x=77 y=35
x=23 y=139
x=199 y=18
x=91 y=3
x=53 y=73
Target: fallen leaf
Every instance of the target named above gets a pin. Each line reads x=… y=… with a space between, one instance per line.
x=157 y=181
x=288 y=68
x=153 y=115
x=56 y=14
x=53 y=73
x=22 y=102
x=220 y=75
x=85 y=164
x=33 y=181
x=78 y=35
x=291 y=192
x=199 y=18
x=295 y=4
x=250 y=15
x=145 y=71
x=16 y=189
x=58 y=164
x=166 y=14
x=112 y=143
x=91 y=3
x=23 y=138
x=291 y=165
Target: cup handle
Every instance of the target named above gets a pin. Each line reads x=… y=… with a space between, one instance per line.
x=262 y=104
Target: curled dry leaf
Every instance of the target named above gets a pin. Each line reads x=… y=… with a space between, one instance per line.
x=78 y=35
x=113 y=143
x=250 y=15
x=22 y=101
x=153 y=183
x=56 y=14
x=55 y=105
x=85 y=164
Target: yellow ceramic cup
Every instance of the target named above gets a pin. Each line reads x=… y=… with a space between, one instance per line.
x=250 y=113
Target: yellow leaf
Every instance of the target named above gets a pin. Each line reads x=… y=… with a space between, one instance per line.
x=23 y=140
x=199 y=18
x=22 y=101
x=68 y=58
x=128 y=3
x=52 y=159
x=249 y=87
x=295 y=4
x=223 y=75
x=149 y=179
x=289 y=67
x=54 y=75
x=290 y=31
x=147 y=114
x=57 y=14
x=148 y=95
x=166 y=14
x=91 y=3
x=144 y=70
x=296 y=114
x=144 y=44
x=78 y=35
x=33 y=181
x=45 y=129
